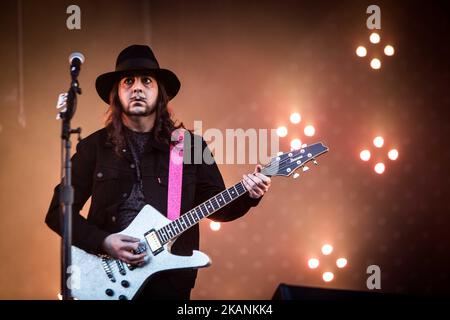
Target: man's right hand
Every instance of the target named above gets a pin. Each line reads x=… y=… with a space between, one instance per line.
x=120 y=246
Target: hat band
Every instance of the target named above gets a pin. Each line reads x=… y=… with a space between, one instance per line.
x=137 y=64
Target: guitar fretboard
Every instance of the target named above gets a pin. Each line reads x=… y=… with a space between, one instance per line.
x=192 y=217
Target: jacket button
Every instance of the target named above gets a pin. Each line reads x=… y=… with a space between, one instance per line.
x=124 y=195
x=113 y=218
x=132 y=166
x=99 y=175
x=124 y=150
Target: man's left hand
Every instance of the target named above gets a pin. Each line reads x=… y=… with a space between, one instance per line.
x=256 y=183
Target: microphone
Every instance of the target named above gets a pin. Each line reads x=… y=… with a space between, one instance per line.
x=76 y=59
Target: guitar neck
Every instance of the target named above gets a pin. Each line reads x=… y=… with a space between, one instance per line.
x=195 y=215
x=282 y=165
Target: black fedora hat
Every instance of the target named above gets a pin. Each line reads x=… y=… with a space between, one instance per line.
x=136 y=59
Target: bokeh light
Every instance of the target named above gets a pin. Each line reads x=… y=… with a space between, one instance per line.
x=393 y=154
x=327 y=249
x=375 y=63
x=295 y=117
x=309 y=130
x=327 y=276
x=361 y=51
x=282 y=131
x=378 y=141
x=341 y=263
x=379 y=168
x=313 y=263
x=389 y=50
x=374 y=37
x=296 y=144
x=215 y=226
x=365 y=155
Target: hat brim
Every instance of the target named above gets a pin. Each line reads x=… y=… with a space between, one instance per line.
x=106 y=81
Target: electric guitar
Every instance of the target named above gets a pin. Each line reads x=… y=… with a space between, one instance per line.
x=97 y=277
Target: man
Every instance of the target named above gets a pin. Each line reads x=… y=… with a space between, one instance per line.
x=125 y=166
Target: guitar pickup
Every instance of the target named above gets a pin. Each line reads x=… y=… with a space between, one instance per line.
x=154 y=242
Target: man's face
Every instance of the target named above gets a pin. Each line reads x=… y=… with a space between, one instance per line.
x=138 y=95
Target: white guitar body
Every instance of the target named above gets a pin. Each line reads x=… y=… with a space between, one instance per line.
x=90 y=280
x=102 y=278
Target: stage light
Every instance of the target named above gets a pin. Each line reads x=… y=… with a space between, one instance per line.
x=341 y=263
x=375 y=63
x=327 y=249
x=282 y=131
x=378 y=141
x=364 y=155
x=379 y=168
x=295 y=117
x=389 y=50
x=327 y=276
x=309 y=130
x=313 y=263
x=374 y=37
x=296 y=144
x=215 y=226
x=393 y=154
x=361 y=51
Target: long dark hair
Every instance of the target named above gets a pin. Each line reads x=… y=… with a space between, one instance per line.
x=164 y=124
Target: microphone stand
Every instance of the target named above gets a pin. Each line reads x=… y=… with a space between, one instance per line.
x=67 y=191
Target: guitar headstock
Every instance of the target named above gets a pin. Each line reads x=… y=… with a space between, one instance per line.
x=285 y=164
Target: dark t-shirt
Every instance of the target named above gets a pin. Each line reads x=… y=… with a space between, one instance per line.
x=130 y=208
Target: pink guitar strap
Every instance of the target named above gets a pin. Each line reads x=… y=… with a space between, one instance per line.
x=175 y=176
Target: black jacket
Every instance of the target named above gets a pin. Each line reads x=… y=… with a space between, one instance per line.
x=98 y=172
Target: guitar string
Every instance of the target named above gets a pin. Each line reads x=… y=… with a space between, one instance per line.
x=281 y=166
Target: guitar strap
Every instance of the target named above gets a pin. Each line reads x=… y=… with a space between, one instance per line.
x=175 y=175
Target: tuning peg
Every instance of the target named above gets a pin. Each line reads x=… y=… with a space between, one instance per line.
x=279 y=153
x=315 y=162
x=304 y=145
x=296 y=175
x=305 y=168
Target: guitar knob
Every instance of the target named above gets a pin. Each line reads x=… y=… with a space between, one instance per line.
x=125 y=283
x=109 y=292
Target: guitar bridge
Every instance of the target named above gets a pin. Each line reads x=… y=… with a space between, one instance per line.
x=108 y=270
x=154 y=242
